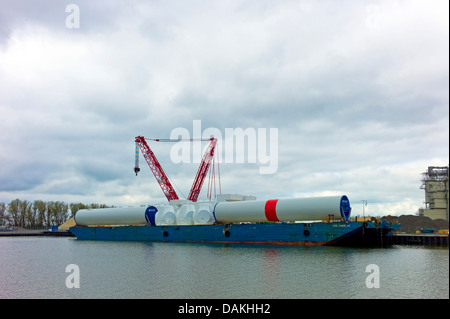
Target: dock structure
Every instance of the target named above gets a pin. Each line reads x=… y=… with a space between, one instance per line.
x=417 y=239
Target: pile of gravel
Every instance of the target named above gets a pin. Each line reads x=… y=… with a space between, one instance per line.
x=412 y=223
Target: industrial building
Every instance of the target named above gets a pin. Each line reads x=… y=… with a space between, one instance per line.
x=435 y=184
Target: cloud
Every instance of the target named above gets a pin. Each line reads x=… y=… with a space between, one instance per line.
x=357 y=91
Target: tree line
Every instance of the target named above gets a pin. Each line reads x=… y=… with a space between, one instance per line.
x=39 y=214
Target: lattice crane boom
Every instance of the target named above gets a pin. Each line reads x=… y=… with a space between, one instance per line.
x=155 y=167
x=161 y=176
x=202 y=170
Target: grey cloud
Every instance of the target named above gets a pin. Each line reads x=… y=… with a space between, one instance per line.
x=351 y=96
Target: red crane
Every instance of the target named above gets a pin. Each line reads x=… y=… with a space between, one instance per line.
x=202 y=170
x=161 y=176
x=155 y=167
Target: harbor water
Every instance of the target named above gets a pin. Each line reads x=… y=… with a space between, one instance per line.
x=61 y=267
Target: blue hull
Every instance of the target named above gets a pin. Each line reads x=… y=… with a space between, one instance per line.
x=307 y=234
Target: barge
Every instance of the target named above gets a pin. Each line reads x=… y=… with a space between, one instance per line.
x=313 y=221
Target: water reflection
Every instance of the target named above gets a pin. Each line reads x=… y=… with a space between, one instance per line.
x=35 y=268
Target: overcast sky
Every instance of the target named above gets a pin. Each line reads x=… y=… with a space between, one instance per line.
x=358 y=92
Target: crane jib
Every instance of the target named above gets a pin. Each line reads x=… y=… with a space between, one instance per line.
x=161 y=176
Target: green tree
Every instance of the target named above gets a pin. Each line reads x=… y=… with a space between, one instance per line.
x=40 y=207
x=24 y=213
x=13 y=212
x=63 y=210
x=29 y=219
x=3 y=216
x=56 y=212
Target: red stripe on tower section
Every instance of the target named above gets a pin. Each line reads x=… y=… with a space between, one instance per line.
x=270 y=210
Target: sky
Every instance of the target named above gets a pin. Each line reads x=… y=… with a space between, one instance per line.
x=335 y=97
